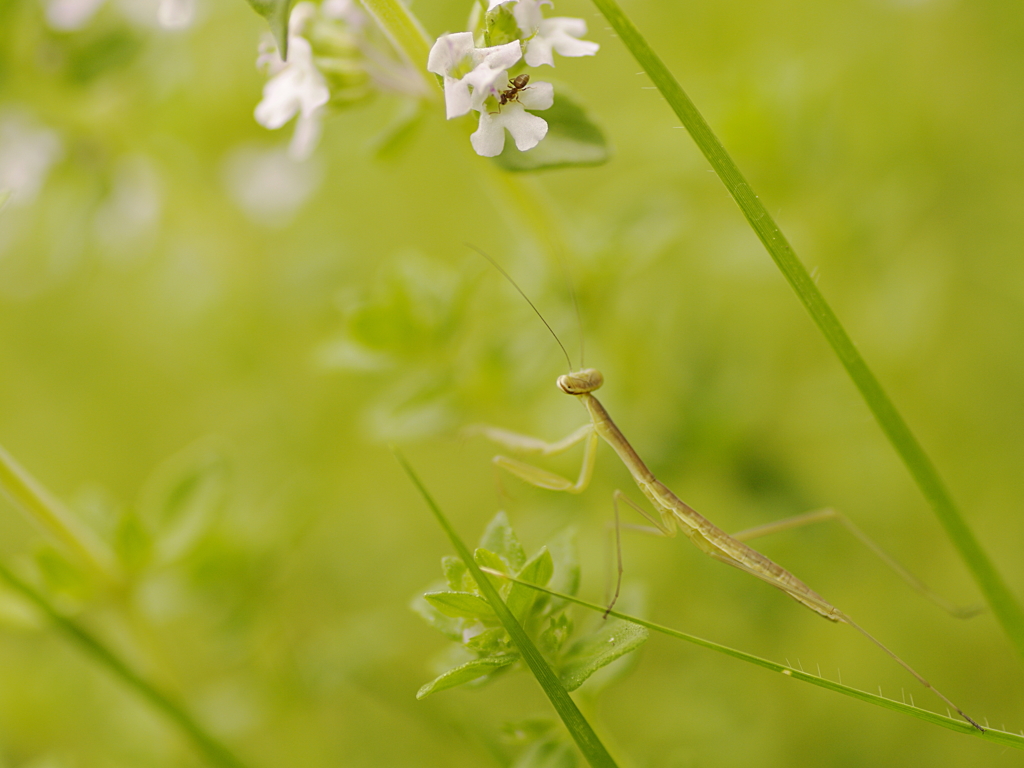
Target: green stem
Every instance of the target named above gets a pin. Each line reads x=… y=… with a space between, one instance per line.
x=54 y=518
x=1004 y=605
x=403 y=29
x=91 y=645
x=954 y=724
x=588 y=742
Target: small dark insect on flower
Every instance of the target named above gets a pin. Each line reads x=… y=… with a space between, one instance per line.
x=516 y=85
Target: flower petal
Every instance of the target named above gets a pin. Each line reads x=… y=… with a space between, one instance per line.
x=298 y=88
x=539 y=51
x=305 y=138
x=528 y=16
x=564 y=33
x=559 y=35
x=470 y=73
x=537 y=96
x=492 y=70
x=457 y=98
x=498 y=57
x=527 y=130
x=489 y=138
x=448 y=51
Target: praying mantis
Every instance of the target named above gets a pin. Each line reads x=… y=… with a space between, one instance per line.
x=672 y=513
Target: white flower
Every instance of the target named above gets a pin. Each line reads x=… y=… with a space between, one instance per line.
x=268 y=185
x=528 y=16
x=296 y=88
x=176 y=14
x=527 y=130
x=470 y=73
x=522 y=7
x=70 y=15
x=343 y=10
x=561 y=35
x=28 y=149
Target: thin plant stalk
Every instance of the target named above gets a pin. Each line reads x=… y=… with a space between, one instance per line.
x=216 y=752
x=44 y=509
x=1005 y=738
x=403 y=29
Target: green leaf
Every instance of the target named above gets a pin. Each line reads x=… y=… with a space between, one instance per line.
x=182 y=498
x=550 y=753
x=556 y=633
x=528 y=730
x=612 y=640
x=5 y=196
x=18 y=613
x=448 y=626
x=92 y=57
x=60 y=576
x=487 y=559
x=573 y=139
x=276 y=12
x=500 y=26
x=489 y=642
x=456 y=574
x=566 y=559
x=464 y=605
x=467 y=673
x=502 y=540
x=132 y=543
x=537 y=571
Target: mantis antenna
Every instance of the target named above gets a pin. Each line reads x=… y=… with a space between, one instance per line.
x=522 y=293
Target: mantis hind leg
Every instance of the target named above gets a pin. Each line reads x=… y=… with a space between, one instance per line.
x=823 y=515
x=658 y=527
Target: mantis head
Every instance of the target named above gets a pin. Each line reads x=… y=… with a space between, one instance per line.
x=581 y=382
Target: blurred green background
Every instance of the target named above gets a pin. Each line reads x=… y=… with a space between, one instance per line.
x=174 y=287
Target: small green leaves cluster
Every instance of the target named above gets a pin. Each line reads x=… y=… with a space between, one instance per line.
x=542 y=744
x=484 y=649
x=406 y=332
x=177 y=506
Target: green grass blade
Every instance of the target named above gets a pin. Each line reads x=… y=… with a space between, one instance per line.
x=403 y=30
x=591 y=747
x=54 y=518
x=217 y=753
x=1004 y=605
x=954 y=724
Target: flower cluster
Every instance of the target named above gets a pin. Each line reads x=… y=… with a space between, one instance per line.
x=484 y=79
x=334 y=59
